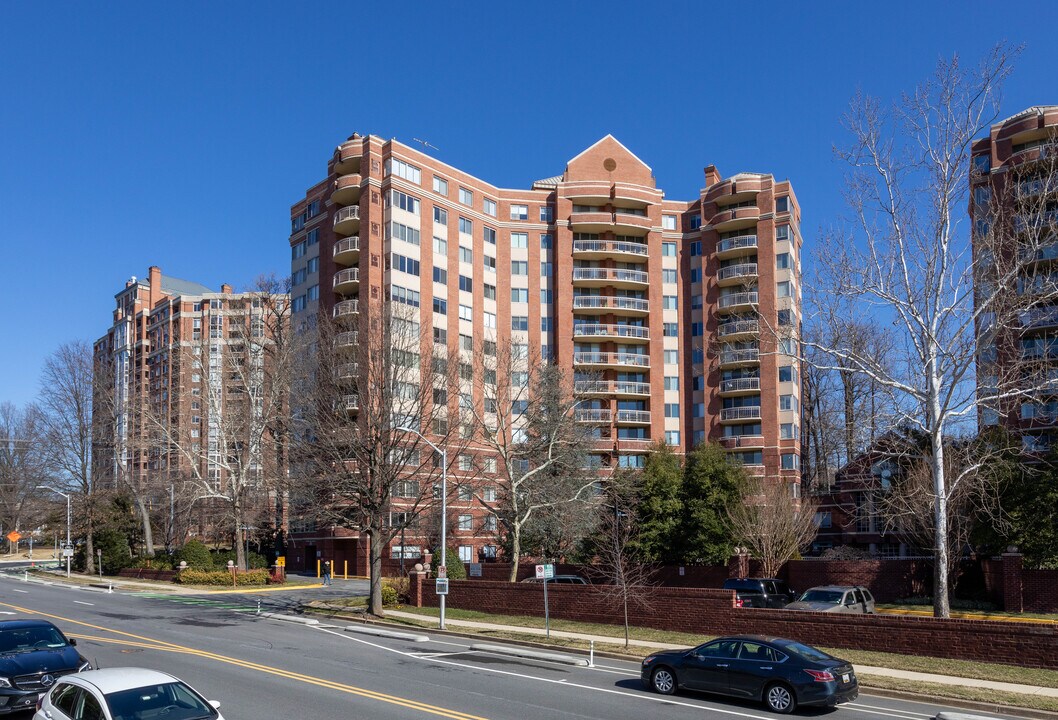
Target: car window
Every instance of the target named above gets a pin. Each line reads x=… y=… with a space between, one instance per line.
x=65 y=698
x=759 y=652
x=177 y=700
x=867 y=596
x=859 y=597
x=719 y=649
x=807 y=652
x=28 y=639
x=88 y=708
x=822 y=596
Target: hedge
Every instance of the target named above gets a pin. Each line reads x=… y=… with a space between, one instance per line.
x=221 y=577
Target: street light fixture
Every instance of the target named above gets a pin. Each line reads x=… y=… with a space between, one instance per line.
x=69 y=548
x=444 y=507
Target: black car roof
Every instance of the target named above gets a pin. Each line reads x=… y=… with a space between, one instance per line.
x=19 y=624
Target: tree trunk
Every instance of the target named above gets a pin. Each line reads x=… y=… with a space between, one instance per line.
x=241 y=561
x=89 y=545
x=848 y=390
x=516 y=549
x=145 y=521
x=941 y=607
x=374 y=605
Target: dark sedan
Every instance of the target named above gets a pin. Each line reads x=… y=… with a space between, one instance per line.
x=33 y=655
x=781 y=673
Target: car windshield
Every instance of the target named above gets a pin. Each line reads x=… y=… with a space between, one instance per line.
x=173 y=701
x=807 y=652
x=822 y=596
x=28 y=639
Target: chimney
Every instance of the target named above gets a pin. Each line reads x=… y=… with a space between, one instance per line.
x=712 y=176
x=226 y=289
x=154 y=282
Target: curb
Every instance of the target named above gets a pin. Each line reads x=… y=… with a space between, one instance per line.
x=367 y=630
x=290 y=618
x=531 y=654
x=979 y=705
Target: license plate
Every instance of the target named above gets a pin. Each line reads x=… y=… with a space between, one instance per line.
x=845 y=677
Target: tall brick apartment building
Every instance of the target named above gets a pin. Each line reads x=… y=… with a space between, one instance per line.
x=684 y=312
x=168 y=356
x=1014 y=180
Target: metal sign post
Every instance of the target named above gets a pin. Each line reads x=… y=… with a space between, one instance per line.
x=442 y=586
x=545 y=573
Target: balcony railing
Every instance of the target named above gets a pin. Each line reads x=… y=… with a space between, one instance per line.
x=611 y=330
x=640 y=417
x=737 y=243
x=737 y=328
x=348 y=275
x=584 y=302
x=609 y=246
x=604 y=358
x=739 y=356
x=350 y=402
x=349 y=244
x=746 y=298
x=736 y=271
x=739 y=384
x=741 y=413
x=593 y=416
x=347 y=213
x=347 y=339
x=347 y=371
x=346 y=307
x=610 y=387
x=615 y=274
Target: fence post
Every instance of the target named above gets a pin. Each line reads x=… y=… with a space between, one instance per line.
x=1012 y=595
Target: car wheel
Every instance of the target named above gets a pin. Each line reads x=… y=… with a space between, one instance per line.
x=779 y=698
x=663 y=681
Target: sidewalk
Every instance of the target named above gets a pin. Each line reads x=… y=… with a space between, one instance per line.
x=166 y=588
x=651 y=646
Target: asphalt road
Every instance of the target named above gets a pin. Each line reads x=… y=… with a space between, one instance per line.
x=261 y=668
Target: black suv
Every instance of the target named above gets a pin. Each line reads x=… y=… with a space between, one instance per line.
x=760 y=592
x=33 y=655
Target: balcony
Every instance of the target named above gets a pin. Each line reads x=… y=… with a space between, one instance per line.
x=739 y=357
x=736 y=442
x=634 y=445
x=347 y=251
x=589 y=192
x=349 y=154
x=611 y=360
x=609 y=277
x=736 y=189
x=735 y=246
x=611 y=387
x=1039 y=319
x=592 y=222
x=597 y=417
x=735 y=274
x=626 y=222
x=347 y=371
x=615 y=304
x=632 y=417
x=739 y=414
x=347 y=281
x=738 y=301
x=346 y=309
x=727 y=220
x=739 y=327
x=740 y=386
x=346 y=190
x=635 y=195
x=603 y=249
x=350 y=403
x=628 y=333
x=347 y=220
x=348 y=340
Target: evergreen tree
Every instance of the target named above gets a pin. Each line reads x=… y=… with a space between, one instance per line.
x=660 y=507
x=711 y=482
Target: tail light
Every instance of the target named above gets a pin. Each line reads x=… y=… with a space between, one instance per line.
x=821 y=675
x=738 y=602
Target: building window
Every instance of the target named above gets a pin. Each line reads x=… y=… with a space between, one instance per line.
x=313 y=236
x=670 y=329
x=823 y=520
x=668 y=302
x=671 y=357
x=440 y=306
x=519 y=295
x=440 y=215
x=466 y=523
x=790 y=461
x=520 y=322
x=788 y=431
x=784 y=289
x=466 y=196
x=672 y=410
x=489 y=235
x=440 y=186
x=547 y=214
x=489 y=263
x=440 y=247
x=440 y=335
x=404 y=201
x=546 y=324
x=490 y=291
x=546 y=241
x=520 y=240
x=466 y=226
x=787 y=402
x=786 y=373
x=440 y=275
x=519 y=212
x=668 y=249
x=519 y=267
x=403 y=169
x=782 y=232
x=404 y=264
x=490 y=320
x=668 y=222
x=466 y=284
x=466 y=312
x=785 y=317
x=782 y=261
x=982 y=163
x=490 y=206
x=672 y=437
x=782 y=204
x=668 y=276
x=547 y=297
x=466 y=255
x=408 y=234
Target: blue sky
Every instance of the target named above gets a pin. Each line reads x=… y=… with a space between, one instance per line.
x=179 y=134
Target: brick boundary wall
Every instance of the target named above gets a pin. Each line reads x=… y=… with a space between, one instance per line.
x=712 y=612
x=147 y=574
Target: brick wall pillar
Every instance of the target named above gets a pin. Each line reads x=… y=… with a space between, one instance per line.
x=738 y=565
x=416 y=580
x=1012 y=596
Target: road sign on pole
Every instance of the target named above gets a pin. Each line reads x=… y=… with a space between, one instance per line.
x=442 y=571
x=14 y=536
x=442 y=586
x=545 y=572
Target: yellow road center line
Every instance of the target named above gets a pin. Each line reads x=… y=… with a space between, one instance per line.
x=154 y=644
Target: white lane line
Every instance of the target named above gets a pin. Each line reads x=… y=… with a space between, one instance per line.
x=895 y=711
x=21 y=591
x=81 y=602
x=663 y=699
x=435 y=655
x=888 y=713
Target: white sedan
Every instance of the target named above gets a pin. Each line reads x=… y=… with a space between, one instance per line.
x=124 y=694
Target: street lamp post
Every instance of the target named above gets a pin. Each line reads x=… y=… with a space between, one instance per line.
x=68 y=546
x=444 y=508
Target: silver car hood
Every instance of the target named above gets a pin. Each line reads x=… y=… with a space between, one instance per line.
x=814 y=606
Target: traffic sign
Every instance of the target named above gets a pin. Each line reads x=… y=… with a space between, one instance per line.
x=67 y=552
x=442 y=571
x=545 y=572
x=442 y=586
x=14 y=536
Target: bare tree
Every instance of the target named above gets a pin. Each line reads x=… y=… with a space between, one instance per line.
x=533 y=424
x=369 y=389
x=246 y=374
x=625 y=580
x=768 y=521
x=23 y=466
x=65 y=401
x=911 y=264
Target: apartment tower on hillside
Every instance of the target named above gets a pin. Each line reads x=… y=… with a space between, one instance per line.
x=678 y=318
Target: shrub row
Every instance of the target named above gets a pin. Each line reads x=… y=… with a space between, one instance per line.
x=221 y=577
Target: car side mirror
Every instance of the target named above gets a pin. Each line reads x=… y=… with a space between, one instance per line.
x=73 y=641
x=215 y=704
